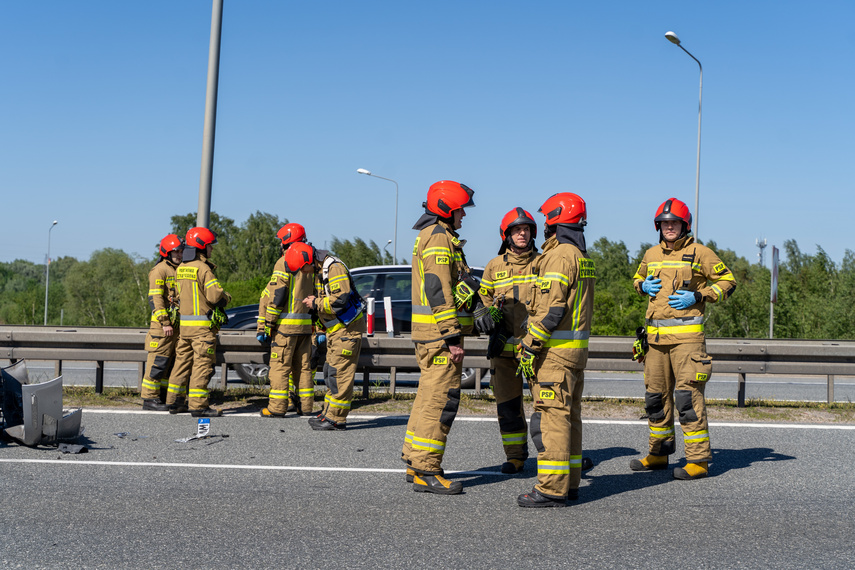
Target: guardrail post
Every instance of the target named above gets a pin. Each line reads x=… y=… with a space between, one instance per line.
x=393 y=374
x=140 y=375
x=224 y=376
x=831 y=388
x=57 y=368
x=366 y=378
x=99 y=377
x=740 y=396
x=478 y=382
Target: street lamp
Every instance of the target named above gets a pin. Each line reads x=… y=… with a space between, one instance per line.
x=386 y=250
x=47 y=268
x=368 y=173
x=672 y=37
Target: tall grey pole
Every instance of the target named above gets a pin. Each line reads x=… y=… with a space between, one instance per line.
x=47 y=268
x=672 y=37
x=369 y=173
x=203 y=216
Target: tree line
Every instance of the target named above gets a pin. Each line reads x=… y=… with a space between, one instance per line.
x=816 y=296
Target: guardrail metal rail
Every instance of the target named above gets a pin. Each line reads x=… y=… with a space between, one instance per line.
x=828 y=358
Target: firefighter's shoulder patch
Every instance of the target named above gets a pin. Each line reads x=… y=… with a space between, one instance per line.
x=501 y=275
x=335 y=287
x=720 y=268
x=545 y=284
x=442 y=260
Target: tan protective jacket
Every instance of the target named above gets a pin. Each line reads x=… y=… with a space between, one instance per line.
x=687 y=267
x=509 y=282
x=438 y=265
x=560 y=322
x=281 y=307
x=162 y=295
x=199 y=291
x=333 y=296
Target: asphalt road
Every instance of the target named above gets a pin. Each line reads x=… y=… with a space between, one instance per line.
x=276 y=494
x=604 y=384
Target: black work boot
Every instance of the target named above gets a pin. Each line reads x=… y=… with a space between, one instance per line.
x=436 y=484
x=179 y=407
x=587 y=463
x=512 y=466
x=322 y=423
x=536 y=500
x=206 y=413
x=154 y=405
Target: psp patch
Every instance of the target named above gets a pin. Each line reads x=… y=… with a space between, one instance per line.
x=546 y=285
x=442 y=260
x=701 y=377
x=547 y=395
x=153 y=344
x=501 y=275
x=335 y=287
x=720 y=268
x=441 y=360
x=346 y=352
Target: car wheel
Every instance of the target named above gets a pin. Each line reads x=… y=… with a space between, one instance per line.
x=467 y=378
x=254 y=374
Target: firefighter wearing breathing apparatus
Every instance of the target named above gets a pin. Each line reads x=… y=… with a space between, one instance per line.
x=507 y=288
x=341 y=311
x=554 y=351
x=680 y=277
x=284 y=322
x=202 y=301
x=163 y=332
x=443 y=294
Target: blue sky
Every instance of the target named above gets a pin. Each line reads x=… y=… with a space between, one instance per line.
x=102 y=108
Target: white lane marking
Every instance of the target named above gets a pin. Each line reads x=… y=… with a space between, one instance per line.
x=239 y=467
x=845 y=427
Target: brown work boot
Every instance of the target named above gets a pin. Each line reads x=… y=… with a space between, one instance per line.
x=649 y=463
x=436 y=484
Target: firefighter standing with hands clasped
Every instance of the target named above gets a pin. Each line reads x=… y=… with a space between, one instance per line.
x=340 y=310
x=443 y=293
x=202 y=301
x=680 y=277
x=162 y=333
x=554 y=351
x=285 y=323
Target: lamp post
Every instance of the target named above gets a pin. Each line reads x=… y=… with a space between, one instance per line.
x=47 y=268
x=386 y=249
x=368 y=173
x=672 y=37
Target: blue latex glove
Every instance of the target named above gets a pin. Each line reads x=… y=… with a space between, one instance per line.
x=263 y=338
x=322 y=338
x=684 y=299
x=651 y=285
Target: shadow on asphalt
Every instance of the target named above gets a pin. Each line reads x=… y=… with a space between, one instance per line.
x=388 y=421
x=726 y=459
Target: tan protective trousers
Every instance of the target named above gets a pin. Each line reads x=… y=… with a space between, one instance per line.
x=678 y=374
x=195 y=358
x=290 y=355
x=434 y=409
x=158 y=364
x=556 y=426
x=339 y=370
x=508 y=390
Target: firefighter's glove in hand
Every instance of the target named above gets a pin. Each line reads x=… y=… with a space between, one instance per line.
x=651 y=285
x=218 y=318
x=463 y=293
x=526 y=362
x=262 y=337
x=638 y=350
x=684 y=299
x=483 y=320
x=495 y=314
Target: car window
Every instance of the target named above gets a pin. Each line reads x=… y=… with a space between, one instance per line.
x=364 y=284
x=397 y=286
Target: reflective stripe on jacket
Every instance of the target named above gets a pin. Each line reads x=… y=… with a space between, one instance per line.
x=281 y=305
x=161 y=289
x=199 y=292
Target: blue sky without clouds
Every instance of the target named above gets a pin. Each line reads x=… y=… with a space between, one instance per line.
x=102 y=107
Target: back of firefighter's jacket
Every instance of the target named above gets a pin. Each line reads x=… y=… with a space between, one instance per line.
x=281 y=305
x=162 y=296
x=508 y=282
x=438 y=266
x=689 y=266
x=560 y=324
x=199 y=292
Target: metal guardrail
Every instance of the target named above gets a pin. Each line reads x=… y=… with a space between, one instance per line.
x=611 y=354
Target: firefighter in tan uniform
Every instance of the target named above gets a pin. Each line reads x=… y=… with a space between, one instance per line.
x=442 y=292
x=554 y=351
x=508 y=286
x=163 y=331
x=285 y=322
x=680 y=277
x=202 y=300
x=340 y=310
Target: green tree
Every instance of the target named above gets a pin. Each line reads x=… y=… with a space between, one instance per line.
x=358 y=253
x=618 y=309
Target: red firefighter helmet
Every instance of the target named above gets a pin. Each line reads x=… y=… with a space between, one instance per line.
x=199 y=237
x=169 y=243
x=291 y=233
x=673 y=209
x=564 y=208
x=516 y=217
x=299 y=255
x=446 y=196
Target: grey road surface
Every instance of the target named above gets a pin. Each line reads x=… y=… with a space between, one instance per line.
x=605 y=384
x=275 y=494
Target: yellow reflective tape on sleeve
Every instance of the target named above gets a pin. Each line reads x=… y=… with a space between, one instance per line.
x=562 y=343
x=154 y=292
x=728 y=277
x=561 y=278
x=211 y=283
